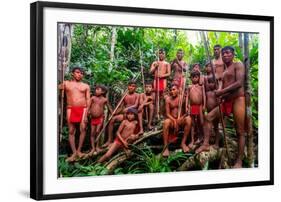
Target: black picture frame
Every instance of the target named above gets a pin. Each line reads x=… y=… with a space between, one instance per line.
x=37 y=99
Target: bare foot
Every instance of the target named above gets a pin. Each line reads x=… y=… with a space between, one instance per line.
x=81 y=154
x=98 y=149
x=106 y=144
x=202 y=148
x=185 y=148
x=91 y=153
x=198 y=141
x=149 y=127
x=191 y=145
x=166 y=153
x=238 y=164
x=71 y=158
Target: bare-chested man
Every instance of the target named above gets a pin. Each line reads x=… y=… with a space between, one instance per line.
x=211 y=99
x=179 y=66
x=146 y=104
x=173 y=120
x=218 y=64
x=96 y=111
x=131 y=100
x=126 y=133
x=233 y=96
x=78 y=101
x=196 y=99
x=161 y=70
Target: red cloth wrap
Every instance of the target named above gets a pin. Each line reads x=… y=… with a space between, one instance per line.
x=76 y=114
x=96 y=121
x=160 y=88
x=195 y=109
x=172 y=138
x=226 y=107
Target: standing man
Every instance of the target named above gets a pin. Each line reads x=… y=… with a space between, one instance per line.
x=161 y=71
x=78 y=102
x=179 y=66
x=233 y=96
x=218 y=64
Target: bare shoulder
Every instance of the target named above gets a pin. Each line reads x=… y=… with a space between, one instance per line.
x=124 y=122
x=168 y=99
x=239 y=65
x=105 y=99
x=85 y=85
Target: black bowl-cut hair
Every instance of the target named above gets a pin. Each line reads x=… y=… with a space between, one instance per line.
x=102 y=87
x=77 y=68
x=217 y=46
x=194 y=73
x=228 y=48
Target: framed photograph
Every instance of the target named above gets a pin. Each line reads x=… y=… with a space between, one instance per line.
x=131 y=100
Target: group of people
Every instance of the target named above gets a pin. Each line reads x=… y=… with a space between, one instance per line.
x=195 y=108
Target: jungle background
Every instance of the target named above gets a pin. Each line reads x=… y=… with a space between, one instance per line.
x=113 y=55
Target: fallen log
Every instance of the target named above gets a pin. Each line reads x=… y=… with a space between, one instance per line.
x=204 y=158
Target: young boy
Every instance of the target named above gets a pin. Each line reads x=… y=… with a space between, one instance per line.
x=78 y=100
x=179 y=66
x=196 y=99
x=131 y=100
x=96 y=110
x=161 y=70
x=146 y=104
x=174 y=120
x=211 y=99
x=126 y=133
x=196 y=67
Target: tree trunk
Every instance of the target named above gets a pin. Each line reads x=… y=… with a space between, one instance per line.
x=112 y=45
x=64 y=48
x=248 y=90
x=204 y=41
x=241 y=43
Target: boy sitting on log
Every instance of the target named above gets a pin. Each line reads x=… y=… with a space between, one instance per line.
x=126 y=133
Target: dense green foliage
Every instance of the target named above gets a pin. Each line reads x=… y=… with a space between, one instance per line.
x=113 y=56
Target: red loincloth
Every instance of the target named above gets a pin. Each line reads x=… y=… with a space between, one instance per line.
x=195 y=109
x=161 y=85
x=117 y=141
x=172 y=138
x=97 y=121
x=76 y=114
x=226 y=107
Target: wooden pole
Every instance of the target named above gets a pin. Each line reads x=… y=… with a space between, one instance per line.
x=158 y=93
x=143 y=83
